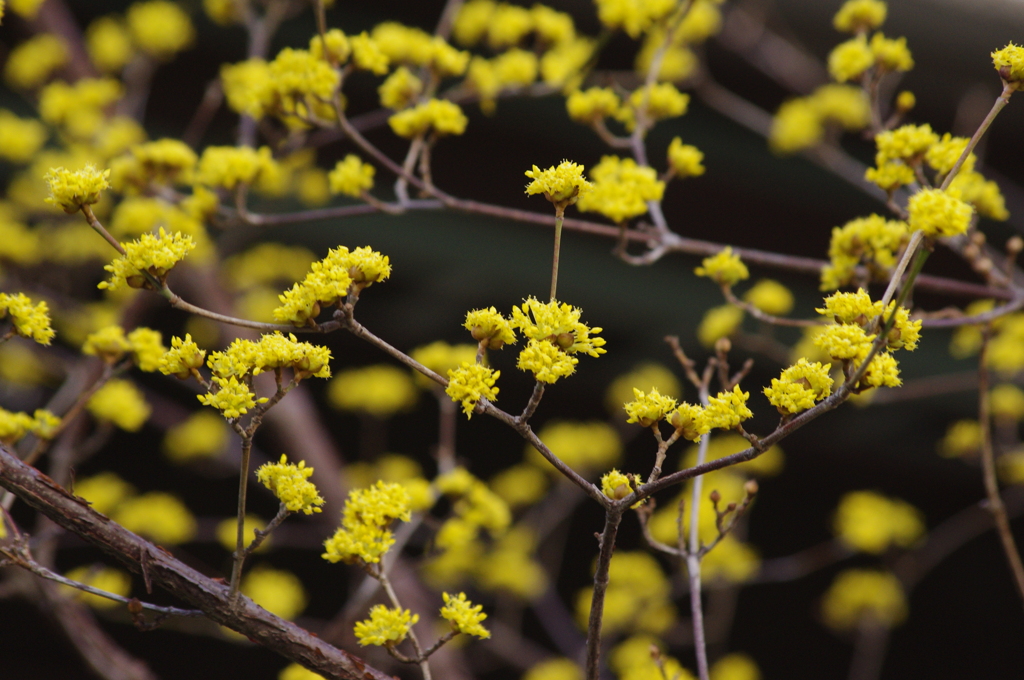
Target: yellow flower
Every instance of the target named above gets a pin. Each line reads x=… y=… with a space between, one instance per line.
x=201 y=435
x=719 y=322
x=593 y=104
x=400 y=89
x=615 y=485
x=725 y=410
x=637 y=597
x=441 y=116
x=108 y=343
x=229 y=166
x=560 y=185
x=464 y=616
x=159 y=516
x=155 y=255
x=871 y=522
x=849 y=60
x=385 y=626
x=1007 y=402
x=891 y=54
x=725 y=269
x=470 y=383
x=583 y=446
x=279 y=592
x=231 y=397
x=856 y=594
x=684 y=159
x=633 y=17
x=546 y=361
x=109 y=44
x=657 y=102
x=364 y=534
x=508 y=26
x=31 y=63
x=104 y=491
x=963 y=438
x=1009 y=62
x=290 y=483
x=799 y=387
x=939 y=213
x=351 y=176
x=338 y=47
x=796 y=126
x=20 y=138
x=771 y=297
x=120 y=403
x=907 y=143
x=381 y=390
x=160 y=28
x=183 y=358
x=440 y=357
x=367 y=55
x=30 y=320
x=70 y=190
x=648 y=409
x=490 y=326
x=559 y=323
x=621 y=189
x=860 y=15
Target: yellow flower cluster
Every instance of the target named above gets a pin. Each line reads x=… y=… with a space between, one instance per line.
x=771 y=297
x=724 y=411
x=616 y=485
x=440 y=357
x=654 y=103
x=31 y=320
x=638 y=596
x=621 y=189
x=870 y=241
x=381 y=390
x=155 y=255
x=79 y=109
x=870 y=522
x=1009 y=62
x=631 y=16
x=440 y=116
x=504 y=25
x=490 y=328
x=229 y=166
x=799 y=387
x=329 y=280
x=858 y=594
x=939 y=213
x=20 y=138
x=364 y=534
x=562 y=185
x=109 y=44
x=464 y=616
x=351 y=176
x=633 y=659
x=724 y=268
x=470 y=383
x=290 y=483
x=557 y=322
x=593 y=104
x=685 y=160
x=583 y=446
x=163 y=162
x=400 y=89
x=160 y=28
x=183 y=358
x=159 y=516
x=856 y=16
x=201 y=435
x=415 y=47
x=279 y=592
x=15 y=425
x=120 y=402
x=32 y=62
x=800 y=123
x=71 y=189
x=273 y=351
x=385 y=626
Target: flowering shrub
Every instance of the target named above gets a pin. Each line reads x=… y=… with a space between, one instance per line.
x=113 y=238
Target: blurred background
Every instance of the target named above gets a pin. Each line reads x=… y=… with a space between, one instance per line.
x=965 y=619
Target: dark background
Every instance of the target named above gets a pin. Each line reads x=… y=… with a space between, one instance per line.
x=965 y=618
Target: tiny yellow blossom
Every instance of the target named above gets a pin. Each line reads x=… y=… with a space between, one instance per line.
x=799 y=387
x=891 y=54
x=771 y=297
x=849 y=60
x=684 y=159
x=1009 y=62
x=719 y=322
x=385 y=626
x=120 y=403
x=725 y=268
x=725 y=410
x=279 y=592
x=939 y=213
x=31 y=320
x=183 y=358
x=796 y=126
x=440 y=116
x=351 y=176
x=962 y=439
x=472 y=21
x=621 y=189
x=364 y=534
x=583 y=446
x=70 y=190
x=907 y=143
x=559 y=323
x=648 y=409
x=508 y=26
x=470 y=383
x=201 y=435
x=440 y=357
x=546 y=361
x=633 y=17
x=157 y=515
x=562 y=185
x=856 y=594
x=154 y=255
x=160 y=28
x=109 y=44
x=231 y=397
x=290 y=483
x=367 y=55
x=860 y=15
x=464 y=616
x=1007 y=403
x=31 y=63
x=338 y=47
x=871 y=522
x=108 y=343
x=104 y=491
x=593 y=104
x=20 y=138
x=381 y=390
x=983 y=194
x=229 y=166
x=657 y=102
x=400 y=89
x=489 y=327
x=616 y=485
